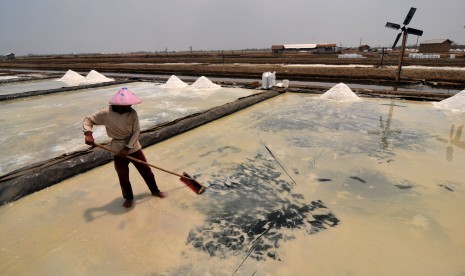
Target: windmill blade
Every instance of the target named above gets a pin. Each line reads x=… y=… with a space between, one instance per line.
x=410 y=15
x=458 y=134
x=414 y=31
x=449 y=153
x=451 y=133
x=392 y=26
x=459 y=144
x=442 y=140
x=397 y=40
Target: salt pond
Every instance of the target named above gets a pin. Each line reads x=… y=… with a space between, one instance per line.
x=373 y=187
x=69 y=79
x=20 y=87
x=39 y=128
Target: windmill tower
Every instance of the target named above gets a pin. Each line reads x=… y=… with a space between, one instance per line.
x=404 y=31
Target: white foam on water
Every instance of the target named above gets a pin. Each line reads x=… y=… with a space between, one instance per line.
x=340 y=92
x=204 y=83
x=175 y=82
x=454 y=103
x=95 y=77
x=72 y=77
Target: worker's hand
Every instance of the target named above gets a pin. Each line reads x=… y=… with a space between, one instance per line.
x=89 y=139
x=124 y=152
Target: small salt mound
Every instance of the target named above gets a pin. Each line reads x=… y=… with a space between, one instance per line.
x=340 y=92
x=175 y=82
x=203 y=83
x=455 y=103
x=72 y=77
x=95 y=77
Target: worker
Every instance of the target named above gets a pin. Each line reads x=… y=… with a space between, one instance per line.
x=122 y=125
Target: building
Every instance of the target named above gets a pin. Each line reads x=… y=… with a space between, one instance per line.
x=322 y=48
x=362 y=48
x=10 y=56
x=277 y=49
x=435 y=46
x=326 y=48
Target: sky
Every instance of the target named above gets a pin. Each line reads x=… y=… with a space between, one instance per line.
x=120 y=26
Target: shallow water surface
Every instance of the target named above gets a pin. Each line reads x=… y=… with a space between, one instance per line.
x=296 y=186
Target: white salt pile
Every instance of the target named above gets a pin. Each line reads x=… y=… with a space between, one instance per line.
x=72 y=77
x=454 y=103
x=95 y=77
x=203 y=83
x=175 y=82
x=340 y=92
x=8 y=77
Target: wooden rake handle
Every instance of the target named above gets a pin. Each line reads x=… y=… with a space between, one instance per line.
x=142 y=162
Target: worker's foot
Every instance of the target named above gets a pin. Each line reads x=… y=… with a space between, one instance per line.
x=127 y=203
x=159 y=194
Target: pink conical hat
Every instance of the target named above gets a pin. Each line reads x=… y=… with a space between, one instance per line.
x=124 y=97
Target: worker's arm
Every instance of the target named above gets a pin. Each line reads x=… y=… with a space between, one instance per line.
x=89 y=122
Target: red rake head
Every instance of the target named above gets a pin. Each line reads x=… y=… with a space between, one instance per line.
x=192 y=184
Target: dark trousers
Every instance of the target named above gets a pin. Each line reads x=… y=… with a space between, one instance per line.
x=122 y=168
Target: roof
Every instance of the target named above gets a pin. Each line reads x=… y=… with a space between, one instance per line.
x=436 y=41
x=303 y=46
x=300 y=46
x=325 y=45
x=277 y=47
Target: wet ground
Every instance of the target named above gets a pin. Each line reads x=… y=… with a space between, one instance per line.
x=296 y=186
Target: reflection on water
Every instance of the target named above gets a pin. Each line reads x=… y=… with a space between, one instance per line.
x=453 y=141
x=385 y=127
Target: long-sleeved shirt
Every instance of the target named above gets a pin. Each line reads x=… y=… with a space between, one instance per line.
x=123 y=128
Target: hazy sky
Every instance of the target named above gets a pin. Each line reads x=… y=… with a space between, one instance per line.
x=107 y=26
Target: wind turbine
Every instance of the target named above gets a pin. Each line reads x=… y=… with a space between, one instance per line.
x=404 y=31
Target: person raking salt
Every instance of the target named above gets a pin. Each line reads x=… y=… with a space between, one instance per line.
x=121 y=122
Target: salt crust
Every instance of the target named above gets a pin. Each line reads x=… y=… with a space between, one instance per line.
x=340 y=92
x=8 y=77
x=454 y=103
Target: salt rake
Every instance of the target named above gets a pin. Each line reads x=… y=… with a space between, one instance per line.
x=184 y=177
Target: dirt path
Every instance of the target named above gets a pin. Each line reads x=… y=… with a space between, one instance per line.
x=298 y=67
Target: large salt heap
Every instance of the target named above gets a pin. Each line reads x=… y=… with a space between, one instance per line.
x=204 y=83
x=95 y=77
x=72 y=78
x=340 y=92
x=454 y=103
x=175 y=82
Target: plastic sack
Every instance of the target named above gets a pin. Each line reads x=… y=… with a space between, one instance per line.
x=268 y=80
